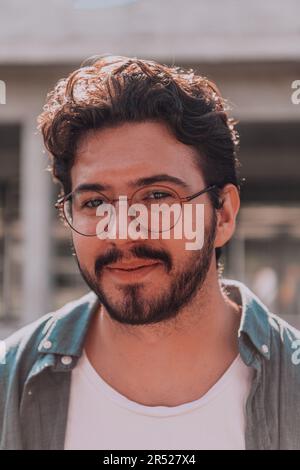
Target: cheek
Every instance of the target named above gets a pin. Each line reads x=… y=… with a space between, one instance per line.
x=87 y=249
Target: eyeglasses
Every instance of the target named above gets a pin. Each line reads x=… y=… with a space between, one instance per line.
x=80 y=208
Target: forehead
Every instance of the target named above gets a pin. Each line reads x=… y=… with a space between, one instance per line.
x=119 y=154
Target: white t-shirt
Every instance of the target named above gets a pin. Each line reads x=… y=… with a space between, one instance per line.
x=99 y=417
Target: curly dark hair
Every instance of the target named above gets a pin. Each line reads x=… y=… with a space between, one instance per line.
x=109 y=90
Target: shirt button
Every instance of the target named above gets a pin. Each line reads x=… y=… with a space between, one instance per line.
x=265 y=348
x=47 y=344
x=66 y=360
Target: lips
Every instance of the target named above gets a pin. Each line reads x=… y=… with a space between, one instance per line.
x=132 y=266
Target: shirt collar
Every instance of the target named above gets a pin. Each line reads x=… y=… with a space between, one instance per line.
x=255 y=320
x=65 y=332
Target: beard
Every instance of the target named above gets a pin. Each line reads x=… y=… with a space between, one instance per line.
x=135 y=308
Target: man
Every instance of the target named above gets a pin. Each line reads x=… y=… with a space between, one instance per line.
x=162 y=353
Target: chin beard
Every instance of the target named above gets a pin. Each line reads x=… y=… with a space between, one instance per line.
x=137 y=309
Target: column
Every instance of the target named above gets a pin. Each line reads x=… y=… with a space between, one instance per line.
x=35 y=206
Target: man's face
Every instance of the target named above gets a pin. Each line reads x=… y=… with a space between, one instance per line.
x=141 y=281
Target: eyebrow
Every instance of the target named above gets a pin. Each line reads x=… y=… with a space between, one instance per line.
x=144 y=181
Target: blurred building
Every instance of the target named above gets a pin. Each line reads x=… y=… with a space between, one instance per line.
x=252 y=51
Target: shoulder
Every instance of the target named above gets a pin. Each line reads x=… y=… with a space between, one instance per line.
x=21 y=349
x=22 y=346
x=270 y=334
x=29 y=350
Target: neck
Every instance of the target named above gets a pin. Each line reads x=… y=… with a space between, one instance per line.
x=172 y=363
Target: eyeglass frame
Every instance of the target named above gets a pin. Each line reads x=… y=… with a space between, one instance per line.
x=61 y=201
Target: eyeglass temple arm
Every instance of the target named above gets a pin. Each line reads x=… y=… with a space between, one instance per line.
x=59 y=202
x=209 y=188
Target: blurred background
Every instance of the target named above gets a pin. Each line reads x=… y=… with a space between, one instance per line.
x=252 y=51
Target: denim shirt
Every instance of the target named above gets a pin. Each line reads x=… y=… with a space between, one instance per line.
x=35 y=380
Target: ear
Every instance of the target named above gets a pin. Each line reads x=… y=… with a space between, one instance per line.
x=226 y=215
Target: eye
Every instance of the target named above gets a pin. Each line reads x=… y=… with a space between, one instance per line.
x=158 y=195
x=92 y=203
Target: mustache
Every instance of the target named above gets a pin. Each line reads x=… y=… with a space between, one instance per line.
x=139 y=251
